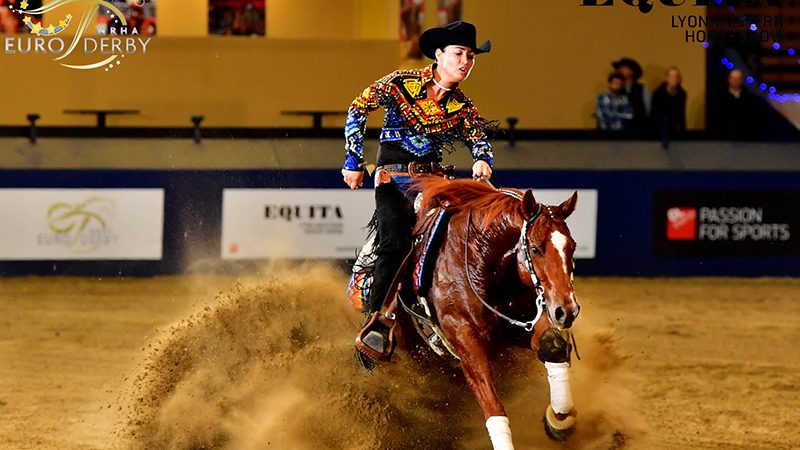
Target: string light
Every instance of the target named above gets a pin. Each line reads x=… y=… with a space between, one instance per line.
x=750 y=80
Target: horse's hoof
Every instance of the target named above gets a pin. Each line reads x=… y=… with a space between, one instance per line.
x=558 y=430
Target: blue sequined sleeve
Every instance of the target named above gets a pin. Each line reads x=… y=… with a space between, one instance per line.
x=476 y=136
x=356 y=124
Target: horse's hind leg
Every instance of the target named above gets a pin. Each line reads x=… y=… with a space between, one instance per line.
x=475 y=363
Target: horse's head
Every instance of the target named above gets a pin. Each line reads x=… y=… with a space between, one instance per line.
x=545 y=257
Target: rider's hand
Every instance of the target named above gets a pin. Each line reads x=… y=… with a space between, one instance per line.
x=353 y=178
x=481 y=170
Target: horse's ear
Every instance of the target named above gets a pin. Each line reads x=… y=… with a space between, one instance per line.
x=528 y=203
x=569 y=205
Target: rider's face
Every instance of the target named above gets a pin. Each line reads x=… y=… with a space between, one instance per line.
x=454 y=63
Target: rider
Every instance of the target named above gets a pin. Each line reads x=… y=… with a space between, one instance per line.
x=425 y=111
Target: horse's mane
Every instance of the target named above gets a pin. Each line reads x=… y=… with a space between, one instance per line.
x=485 y=201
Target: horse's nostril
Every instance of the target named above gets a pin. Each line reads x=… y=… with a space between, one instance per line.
x=560 y=314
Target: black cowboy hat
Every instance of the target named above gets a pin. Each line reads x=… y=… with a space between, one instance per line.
x=456 y=33
x=635 y=67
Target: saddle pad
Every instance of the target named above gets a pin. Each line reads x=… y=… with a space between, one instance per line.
x=428 y=238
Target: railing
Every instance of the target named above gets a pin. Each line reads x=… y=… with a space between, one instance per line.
x=267 y=133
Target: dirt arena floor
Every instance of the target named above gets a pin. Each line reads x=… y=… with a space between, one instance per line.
x=212 y=361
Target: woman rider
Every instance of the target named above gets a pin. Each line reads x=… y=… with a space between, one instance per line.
x=425 y=111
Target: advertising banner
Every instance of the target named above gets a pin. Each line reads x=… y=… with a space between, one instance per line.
x=726 y=223
x=81 y=224
x=330 y=223
x=294 y=223
x=582 y=223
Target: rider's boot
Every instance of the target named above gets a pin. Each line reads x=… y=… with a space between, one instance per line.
x=395 y=219
x=376 y=340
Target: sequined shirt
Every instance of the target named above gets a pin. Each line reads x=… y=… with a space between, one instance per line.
x=421 y=126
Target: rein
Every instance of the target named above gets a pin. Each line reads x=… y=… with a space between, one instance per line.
x=541 y=305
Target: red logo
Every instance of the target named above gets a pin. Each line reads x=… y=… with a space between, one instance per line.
x=681 y=224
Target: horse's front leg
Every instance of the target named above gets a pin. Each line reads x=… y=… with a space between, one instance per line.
x=553 y=350
x=473 y=352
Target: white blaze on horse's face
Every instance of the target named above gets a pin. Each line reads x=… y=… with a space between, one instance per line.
x=559 y=242
x=563 y=307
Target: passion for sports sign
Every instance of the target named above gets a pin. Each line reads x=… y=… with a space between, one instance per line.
x=726 y=223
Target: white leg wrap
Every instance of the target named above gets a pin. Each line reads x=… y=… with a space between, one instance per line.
x=499 y=433
x=560 y=393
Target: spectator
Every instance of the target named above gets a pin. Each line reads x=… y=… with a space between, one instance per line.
x=638 y=93
x=669 y=104
x=614 y=110
x=412 y=17
x=9 y=24
x=735 y=115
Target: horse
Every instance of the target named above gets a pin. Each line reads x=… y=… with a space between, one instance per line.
x=502 y=276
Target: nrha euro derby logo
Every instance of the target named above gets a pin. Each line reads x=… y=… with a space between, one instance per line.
x=105 y=50
x=80 y=228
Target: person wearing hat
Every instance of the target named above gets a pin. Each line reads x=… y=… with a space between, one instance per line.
x=425 y=113
x=638 y=93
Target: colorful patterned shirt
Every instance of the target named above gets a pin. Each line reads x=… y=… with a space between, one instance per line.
x=614 y=112
x=421 y=126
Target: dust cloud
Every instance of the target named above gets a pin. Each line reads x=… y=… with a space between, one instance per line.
x=270 y=364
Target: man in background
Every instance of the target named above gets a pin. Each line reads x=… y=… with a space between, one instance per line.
x=735 y=114
x=614 y=110
x=638 y=94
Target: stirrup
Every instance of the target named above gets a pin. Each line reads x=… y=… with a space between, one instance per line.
x=377 y=346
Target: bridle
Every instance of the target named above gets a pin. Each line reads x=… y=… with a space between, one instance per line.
x=522 y=244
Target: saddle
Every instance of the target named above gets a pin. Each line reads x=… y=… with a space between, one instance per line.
x=428 y=237
x=428 y=232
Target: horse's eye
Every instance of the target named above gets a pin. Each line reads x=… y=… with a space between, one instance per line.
x=535 y=250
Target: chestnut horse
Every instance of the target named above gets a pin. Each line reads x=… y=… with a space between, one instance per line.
x=503 y=277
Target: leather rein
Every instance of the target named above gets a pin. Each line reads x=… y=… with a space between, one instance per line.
x=541 y=305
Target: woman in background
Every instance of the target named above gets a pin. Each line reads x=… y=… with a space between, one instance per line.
x=669 y=105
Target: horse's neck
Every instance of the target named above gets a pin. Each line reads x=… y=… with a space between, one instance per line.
x=505 y=284
x=497 y=243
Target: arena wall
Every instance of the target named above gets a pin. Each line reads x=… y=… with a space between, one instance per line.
x=321 y=61
x=636 y=189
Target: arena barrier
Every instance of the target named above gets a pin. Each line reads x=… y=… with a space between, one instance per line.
x=146 y=222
